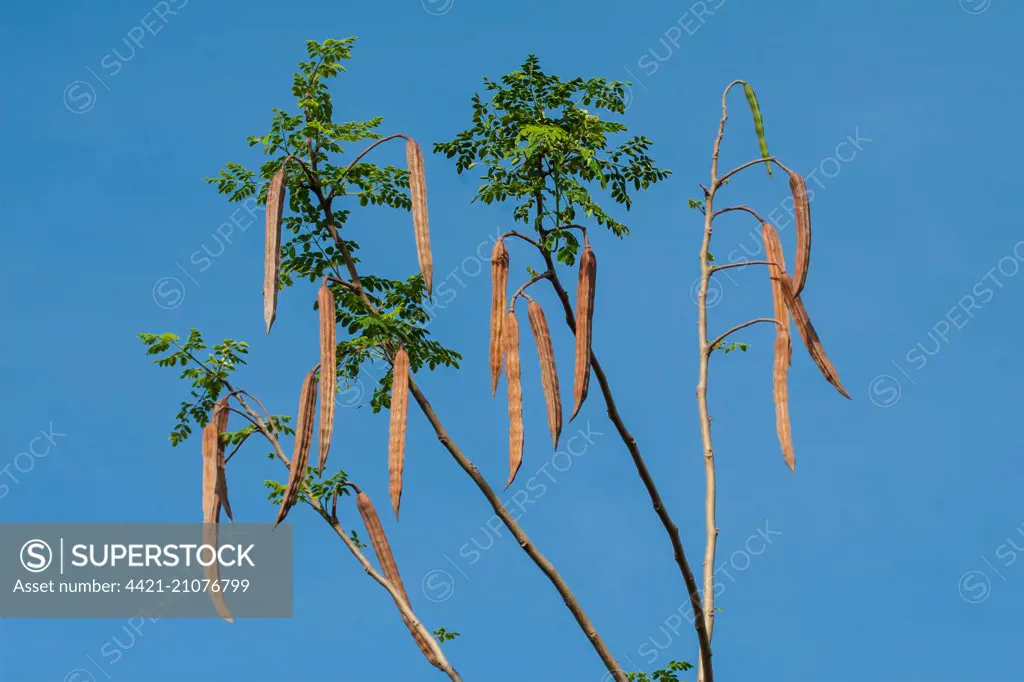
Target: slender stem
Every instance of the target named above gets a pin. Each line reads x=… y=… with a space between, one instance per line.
x=710 y=521
x=506 y=517
x=722 y=180
x=703 y=638
x=738 y=208
x=521 y=290
x=520 y=235
x=741 y=264
x=722 y=337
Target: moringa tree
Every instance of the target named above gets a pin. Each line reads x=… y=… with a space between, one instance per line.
x=365 y=318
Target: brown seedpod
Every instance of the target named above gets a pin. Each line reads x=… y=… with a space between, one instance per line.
x=213 y=489
x=272 y=252
x=548 y=374
x=810 y=337
x=399 y=416
x=499 y=292
x=386 y=558
x=303 y=443
x=802 y=213
x=421 y=225
x=220 y=418
x=510 y=334
x=328 y=370
x=211 y=503
x=584 y=323
x=783 y=344
x=212 y=573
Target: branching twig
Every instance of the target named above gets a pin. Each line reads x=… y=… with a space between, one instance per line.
x=722 y=337
x=738 y=208
x=521 y=290
x=742 y=264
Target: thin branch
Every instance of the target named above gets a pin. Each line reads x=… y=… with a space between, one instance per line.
x=514 y=233
x=703 y=638
x=738 y=327
x=238 y=447
x=506 y=517
x=738 y=208
x=704 y=672
x=522 y=289
x=742 y=264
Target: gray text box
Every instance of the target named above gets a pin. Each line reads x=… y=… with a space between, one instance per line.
x=152 y=570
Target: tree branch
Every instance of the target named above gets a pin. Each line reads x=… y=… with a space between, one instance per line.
x=742 y=264
x=738 y=208
x=679 y=554
x=539 y=559
x=403 y=606
x=521 y=290
x=711 y=346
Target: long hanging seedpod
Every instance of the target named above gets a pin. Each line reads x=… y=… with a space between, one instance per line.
x=303 y=443
x=220 y=418
x=548 y=374
x=211 y=508
x=802 y=214
x=499 y=292
x=328 y=370
x=399 y=417
x=510 y=334
x=386 y=558
x=810 y=337
x=783 y=344
x=272 y=252
x=421 y=225
x=584 y=325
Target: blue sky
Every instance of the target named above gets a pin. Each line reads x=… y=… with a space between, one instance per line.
x=888 y=557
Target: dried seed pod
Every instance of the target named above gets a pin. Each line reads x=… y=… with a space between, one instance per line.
x=303 y=443
x=399 y=416
x=548 y=375
x=212 y=572
x=810 y=337
x=421 y=225
x=584 y=323
x=499 y=292
x=213 y=469
x=783 y=344
x=220 y=418
x=328 y=370
x=510 y=334
x=802 y=213
x=272 y=252
x=755 y=110
x=386 y=558
x=211 y=503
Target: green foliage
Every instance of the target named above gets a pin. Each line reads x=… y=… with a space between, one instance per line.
x=666 y=674
x=755 y=110
x=323 y=490
x=206 y=379
x=728 y=348
x=444 y=635
x=307 y=141
x=539 y=145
